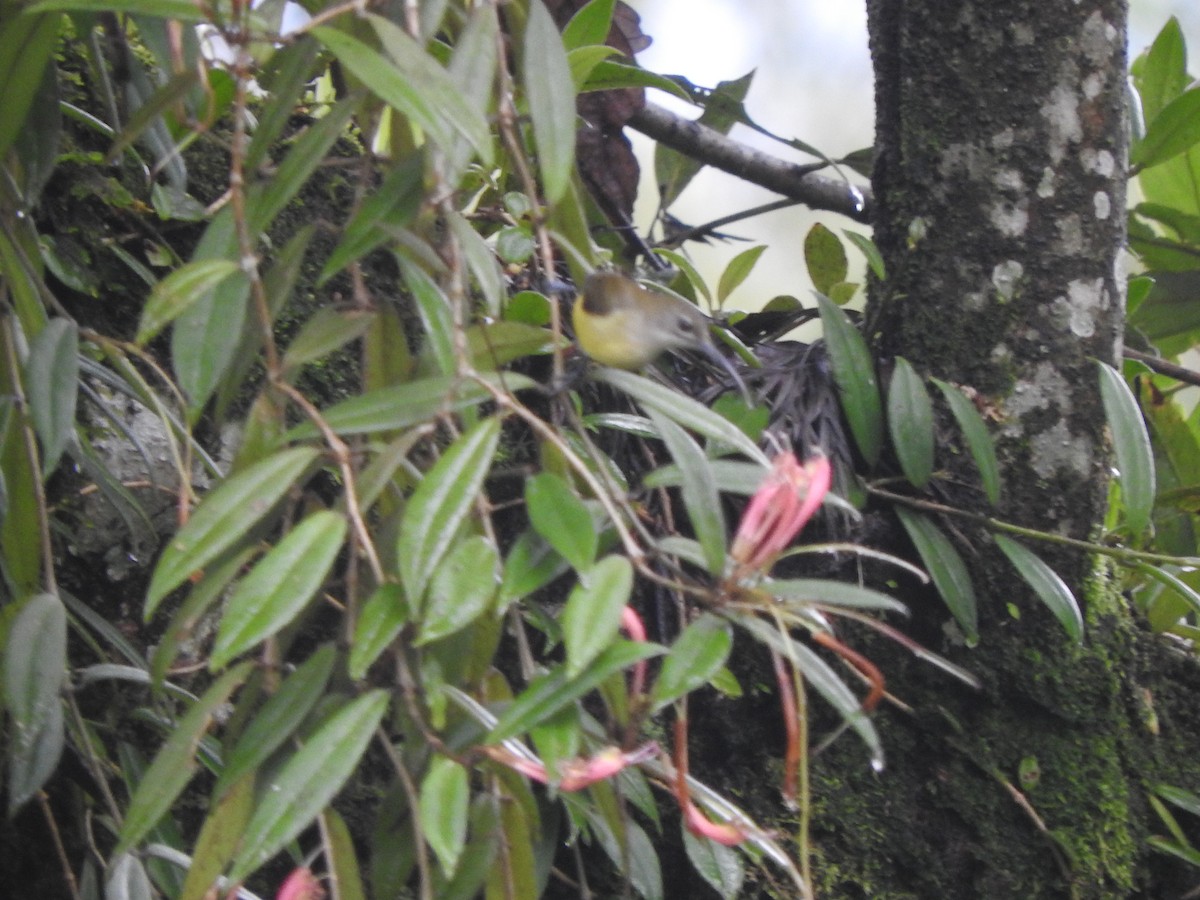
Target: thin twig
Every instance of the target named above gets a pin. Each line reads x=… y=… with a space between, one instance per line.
x=1163 y=367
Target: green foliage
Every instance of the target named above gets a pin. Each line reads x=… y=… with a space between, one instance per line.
x=367 y=608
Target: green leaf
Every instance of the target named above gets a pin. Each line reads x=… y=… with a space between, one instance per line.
x=1185 y=800
x=491 y=345
x=825 y=257
x=183 y=10
x=441 y=503
x=35 y=669
x=345 y=869
x=1173 y=131
x=549 y=693
x=717 y=864
x=737 y=271
x=179 y=291
x=979 y=442
x=684 y=410
x=1160 y=74
x=403 y=405
x=673 y=170
x=411 y=82
x=589 y=25
x=531 y=564
x=445 y=802
x=279 y=718
x=854 y=374
x=224 y=518
x=279 y=586
x=910 y=421
x=307 y=782
x=550 y=92
x=827 y=592
x=609 y=75
x=946 y=568
x=699 y=491
x=328 y=330
x=175 y=763
x=693 y=659
x=52 y=386
x=433 y=306
x=561 y=518
x=383 y=617
x=1046 y=583
x=27 y=41
x=592 y=615
x=868 y=249
x=218 y=838
x=481 y=261
x=1132 y=444
x=461 y=590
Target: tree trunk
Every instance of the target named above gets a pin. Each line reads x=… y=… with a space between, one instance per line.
x=1000 y=187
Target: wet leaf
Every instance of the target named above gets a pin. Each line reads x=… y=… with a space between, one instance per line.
x=445 y=802
x=1132 y=444
x=560 y=517
x=461 y=590
x=693 y=660
x=592 y=615
x=854 y=373
x=946 y=568
x=52 y=387
x=979 y=442
x=550 y=92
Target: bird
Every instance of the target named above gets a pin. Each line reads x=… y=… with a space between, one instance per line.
x=619 y=323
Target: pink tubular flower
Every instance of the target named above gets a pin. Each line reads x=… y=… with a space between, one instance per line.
x=576 y=773
x=301 y=885
x=781 y=506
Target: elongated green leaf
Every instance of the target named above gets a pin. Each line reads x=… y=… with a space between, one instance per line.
x=404 y=405
x=589 y=25
x=176 y=293
x=693 y=659
x=441 y=503
x=218 y=838
x=481 y=260
x=1176 y=796
x=910 y=421
x=827 y=592
x=979 y=442
x=383 y=616
x=737 y=271
x=559 y=516
x=549 y=89
x=175 y=763
x=445 y=801
x=52 y=386
x=328 y=330
x=684 y=410
x=279 y=718
x=224 y=518
x=592 y=615
x=825 y=257
x=183 y=10
x=1171 y=132
x=1132 y=444
x=207 y=335
x=868 y=249
x=26 y=43
x=35 y=668
x=279 y=586
x=473 y=70
x=946 y=568
x=309 y=781
x=412 y=82
x=609 y=75
x=461 y=590
x=699 y=490
x=854 y=373
x=1160 y=74
x=308 y=152
x=1047 y=584
x=549 y=693
x=343 y=861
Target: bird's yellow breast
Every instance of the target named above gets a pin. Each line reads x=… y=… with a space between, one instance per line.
x=617 y=338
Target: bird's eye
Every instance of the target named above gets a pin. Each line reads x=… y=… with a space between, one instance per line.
x=685 y=325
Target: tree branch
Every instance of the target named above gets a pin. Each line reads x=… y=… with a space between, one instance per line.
x=715 y=149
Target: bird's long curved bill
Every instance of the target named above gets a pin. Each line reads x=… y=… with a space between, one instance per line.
x=716 y=356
